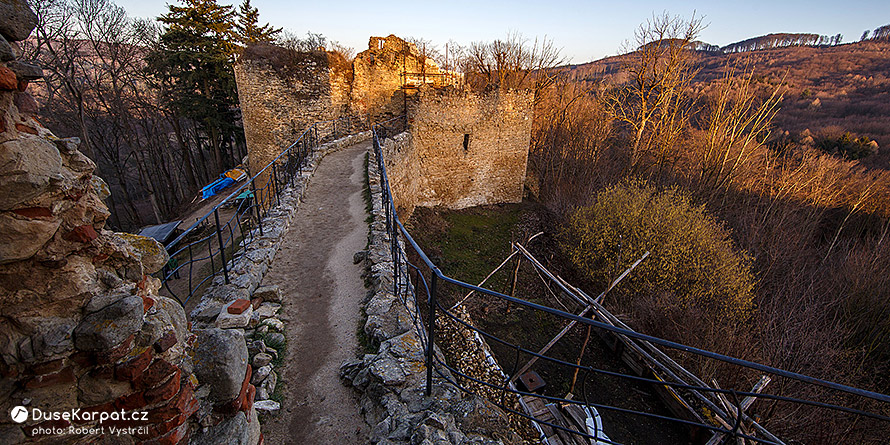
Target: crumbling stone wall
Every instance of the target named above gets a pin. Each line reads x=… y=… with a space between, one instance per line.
x=82 y=326
x=282 y=92
x=392 y=381
x=81 y=323
x=383 y=69
x=465 y=149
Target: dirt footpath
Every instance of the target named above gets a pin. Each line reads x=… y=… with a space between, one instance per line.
x=322 y=292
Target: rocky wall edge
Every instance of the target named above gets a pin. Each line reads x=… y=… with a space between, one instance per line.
x=391 y=382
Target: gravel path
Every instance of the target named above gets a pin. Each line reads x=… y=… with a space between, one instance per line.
x=322 y=292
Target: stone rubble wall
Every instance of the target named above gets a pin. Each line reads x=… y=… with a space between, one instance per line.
x=238 y=333
x=430 y=166
x=392 y=381
x=81 y=323
x=282 y=92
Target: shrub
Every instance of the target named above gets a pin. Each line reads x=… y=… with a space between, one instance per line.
x=692 y=261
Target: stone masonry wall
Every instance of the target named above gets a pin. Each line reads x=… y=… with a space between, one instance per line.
x=392 y=381
x=81 y=323
x=282 y=92
x=435 y=167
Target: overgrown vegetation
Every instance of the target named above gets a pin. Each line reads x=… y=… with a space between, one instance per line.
x=693 y=265
x=813 y=223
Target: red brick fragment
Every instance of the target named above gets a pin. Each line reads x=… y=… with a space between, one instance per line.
x=130 y=402
x=165 y=342
x=132 y=369
x=64 y=376
x=238 y=306
x=147 y=303
x=157 y=373
x=8 y=80
x=115 y=354
x=82 y=234
x=165 y=391
x=177 y=405
x=256 y=302
x=25 y=129
x=262 y=439
x=48 y=367
x=22 y=85
x=34 y=212
x=248 y=402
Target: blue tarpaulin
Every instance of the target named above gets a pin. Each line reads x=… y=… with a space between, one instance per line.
x=215 y=186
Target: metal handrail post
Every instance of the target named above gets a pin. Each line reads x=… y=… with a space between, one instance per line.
x=222 y=248
x=431 y=332
x=256 y=205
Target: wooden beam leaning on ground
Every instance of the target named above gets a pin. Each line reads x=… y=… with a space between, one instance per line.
x=733 y=411
x=561 y=283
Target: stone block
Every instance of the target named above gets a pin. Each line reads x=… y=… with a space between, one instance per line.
x=18 y=20
x=22 y=238
x=262 y=359
x=221 y=361
x=110 y=326
x=94 y=390
x=267 y=406
x=227 y=320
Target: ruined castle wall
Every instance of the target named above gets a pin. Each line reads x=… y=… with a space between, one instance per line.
x=376 y=89
x=435 y=167
x=81 y=323
x=383 y=69
x=282 y=92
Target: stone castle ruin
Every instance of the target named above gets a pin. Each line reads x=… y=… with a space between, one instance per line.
x=82 y=325
x=463 y=148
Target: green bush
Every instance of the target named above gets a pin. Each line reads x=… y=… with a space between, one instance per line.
x=692 y=261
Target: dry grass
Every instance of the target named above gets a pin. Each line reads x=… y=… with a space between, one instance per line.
x=815 y=224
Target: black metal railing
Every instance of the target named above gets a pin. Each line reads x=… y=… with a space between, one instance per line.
x=211 y=246
x=419 y=284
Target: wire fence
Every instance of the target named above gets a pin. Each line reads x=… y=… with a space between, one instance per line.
x=726 y=411
x=210 y=246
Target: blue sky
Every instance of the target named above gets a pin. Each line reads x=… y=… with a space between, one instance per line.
x=585 y=30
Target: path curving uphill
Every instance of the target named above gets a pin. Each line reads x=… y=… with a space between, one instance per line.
x=322 y=292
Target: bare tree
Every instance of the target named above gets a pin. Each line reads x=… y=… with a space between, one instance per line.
x=514 y=62
x=736 y=124
x=654 y=103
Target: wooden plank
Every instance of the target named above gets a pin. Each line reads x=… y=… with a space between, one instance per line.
x=549 y=345
x=558 y=419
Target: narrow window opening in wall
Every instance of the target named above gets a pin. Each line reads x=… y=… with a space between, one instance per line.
x=466 y=142
x=380 y=44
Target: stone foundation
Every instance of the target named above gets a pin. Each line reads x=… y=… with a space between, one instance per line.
x=392 y=381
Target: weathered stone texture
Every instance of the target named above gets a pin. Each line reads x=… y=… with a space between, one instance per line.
x=282 y=92
x=433 y=166
x=391 y=382
x=81 y=320
x=381 y=72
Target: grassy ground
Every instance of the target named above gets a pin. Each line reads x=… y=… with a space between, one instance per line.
x=468 y=244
